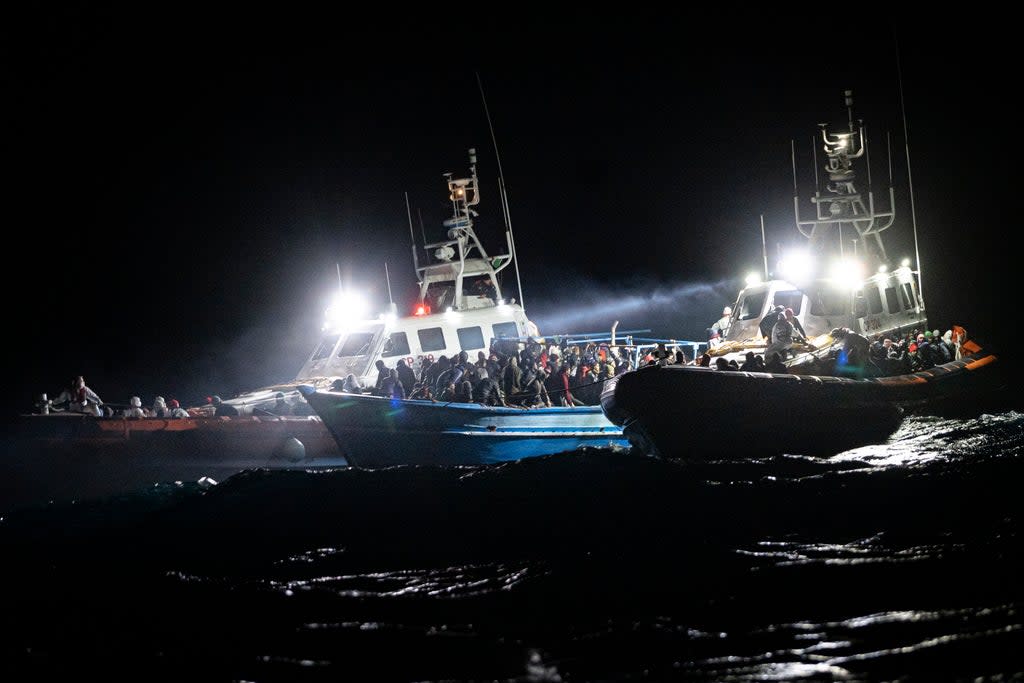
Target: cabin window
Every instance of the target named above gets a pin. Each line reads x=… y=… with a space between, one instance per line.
x=397 y=344
x=470 y=338
x=751 y=306
x=505 y=330
x=908 y=295
x=431 y=339
x=792 y=299
x=892 y=300
x=356 y=344
x=828 y=303
x=874 y=298
x=327 y=345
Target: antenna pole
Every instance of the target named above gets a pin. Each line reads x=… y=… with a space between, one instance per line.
x=412 y=238
x=764 y=248
x=387 y=278
x=910 y=181
x=338 y=266
x=501 y=192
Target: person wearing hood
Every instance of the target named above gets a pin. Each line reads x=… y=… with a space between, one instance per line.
x=222 y=409
x=135 y=410
x=159 y=408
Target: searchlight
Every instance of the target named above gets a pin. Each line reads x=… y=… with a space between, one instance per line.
x=848 y=274
x=345 y=309
x=796 y=266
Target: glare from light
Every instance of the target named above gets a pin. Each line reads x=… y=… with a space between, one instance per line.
x=753 y=279
x=796 y=266
x=905 y=263
x=883 y=268
x=347 y=308
x=848 y=273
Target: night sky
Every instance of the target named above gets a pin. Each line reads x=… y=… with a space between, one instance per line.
x=185 y=189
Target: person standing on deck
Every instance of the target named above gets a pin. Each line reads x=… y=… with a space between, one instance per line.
x=79 y=398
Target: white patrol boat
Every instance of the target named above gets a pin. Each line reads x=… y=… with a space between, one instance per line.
x=826 y=286
x=461 y=307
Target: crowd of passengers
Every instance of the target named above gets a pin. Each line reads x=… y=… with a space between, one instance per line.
x=528 y=375
x=854 y=354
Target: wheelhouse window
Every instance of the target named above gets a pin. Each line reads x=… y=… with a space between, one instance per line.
x=356 y=344
x=831 y=302
x=505 y=330
x=325 y=347
x=431 y=339
x=892 y=300
x=470 y=338
x=793 y=298
x=874 y=298
x=908 y=295
x=751 y=306
x=397 y=344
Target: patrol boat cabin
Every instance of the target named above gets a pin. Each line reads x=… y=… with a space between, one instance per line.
x=461 y=305
x=826 y=284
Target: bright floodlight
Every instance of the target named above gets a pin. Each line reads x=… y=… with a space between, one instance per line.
x=883 y=268
x=905 y=263
x=753 y=279
x=796 y=266
x=347 y=307
x=848 y=273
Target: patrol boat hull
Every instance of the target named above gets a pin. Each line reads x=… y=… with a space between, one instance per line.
x=374 y=431
x=755 y=414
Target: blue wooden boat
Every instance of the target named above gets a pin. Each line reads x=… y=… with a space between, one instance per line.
x=375 y=431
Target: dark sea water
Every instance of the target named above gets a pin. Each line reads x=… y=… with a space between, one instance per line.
x=896 y=562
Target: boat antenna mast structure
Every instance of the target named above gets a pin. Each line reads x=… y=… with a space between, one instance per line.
x=461 y=256
x=841 y=210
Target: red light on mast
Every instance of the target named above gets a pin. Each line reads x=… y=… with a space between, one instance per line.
x=422 y=309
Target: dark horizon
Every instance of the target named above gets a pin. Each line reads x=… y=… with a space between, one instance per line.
x=186 y=203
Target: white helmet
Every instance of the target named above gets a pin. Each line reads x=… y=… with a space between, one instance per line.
x=136 y=402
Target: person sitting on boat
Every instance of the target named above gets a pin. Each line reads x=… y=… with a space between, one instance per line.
x=350 y=385
x=853 y=352
x=159 y=408
x=775 y=364
x=422 y=391
x=487 y=391
x=135 y=410
x=281 y=406
x=175 y=411
x=749 y=362
x=924 y=350
x=784 y=335
x=222 y=409
x=464 y=392
x=536 y=393
x=79 y=398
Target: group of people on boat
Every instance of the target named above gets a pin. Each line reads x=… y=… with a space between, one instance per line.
x=529 y=374
x=78 y=397
x=852 y=354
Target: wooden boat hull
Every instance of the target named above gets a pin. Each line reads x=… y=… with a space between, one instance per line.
x=373 y=431
x=699 y=413
x=69 y=456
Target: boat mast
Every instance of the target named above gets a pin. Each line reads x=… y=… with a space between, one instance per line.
x=910 y=180
x=503 y=196
x=843 y=205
